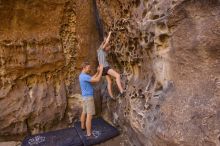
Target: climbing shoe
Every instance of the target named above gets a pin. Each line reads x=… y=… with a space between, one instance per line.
x=111 y=98
x=122 y=94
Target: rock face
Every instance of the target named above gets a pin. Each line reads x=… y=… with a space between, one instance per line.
x=168 y=52
x=42 y=44
x=10 y=144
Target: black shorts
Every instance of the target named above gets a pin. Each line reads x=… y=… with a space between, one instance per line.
x=105 y=71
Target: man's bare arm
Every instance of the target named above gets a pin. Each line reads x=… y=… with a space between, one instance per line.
x=98 y=75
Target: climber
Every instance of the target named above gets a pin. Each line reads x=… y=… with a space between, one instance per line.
x=87 y=94
x=107 y=70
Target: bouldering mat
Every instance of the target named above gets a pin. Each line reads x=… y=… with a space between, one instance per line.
x=101 y=130
x=64 y=137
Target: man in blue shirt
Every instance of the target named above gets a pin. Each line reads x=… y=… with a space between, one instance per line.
x=87 y=94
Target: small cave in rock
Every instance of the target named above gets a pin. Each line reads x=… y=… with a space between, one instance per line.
x=136 y=3
x=163 y=38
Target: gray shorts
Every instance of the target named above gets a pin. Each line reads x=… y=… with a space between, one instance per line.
x=89 y=106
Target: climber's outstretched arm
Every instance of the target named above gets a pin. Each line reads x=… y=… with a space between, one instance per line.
x=105 y=42
x=102 y=44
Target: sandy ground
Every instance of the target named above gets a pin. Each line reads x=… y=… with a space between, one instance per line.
x=11 y=143
x=117 y=141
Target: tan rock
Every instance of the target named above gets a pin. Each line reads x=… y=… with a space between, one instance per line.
x=169 y=52
x=10 y=144
x=74 y=107
x=42 y=44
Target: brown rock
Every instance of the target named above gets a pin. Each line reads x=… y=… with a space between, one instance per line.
x=169 y=53
x=74 y=108
x=42 y=44
x=12 y=143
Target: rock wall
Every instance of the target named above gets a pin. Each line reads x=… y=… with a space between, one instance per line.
x=42 y=44
x=168 y=54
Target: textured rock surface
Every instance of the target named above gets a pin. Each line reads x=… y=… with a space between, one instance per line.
x=74 y=107
x=10 y=144
x=168 y=52
x=40 y=54
x=32 y=58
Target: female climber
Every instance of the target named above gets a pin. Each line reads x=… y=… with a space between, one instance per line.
x=107 y=70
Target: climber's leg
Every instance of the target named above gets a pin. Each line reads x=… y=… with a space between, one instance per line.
x=109 y=85
x=117 y=77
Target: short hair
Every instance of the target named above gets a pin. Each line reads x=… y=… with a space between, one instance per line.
x=84 y=64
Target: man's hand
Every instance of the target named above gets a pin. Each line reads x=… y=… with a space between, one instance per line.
x=99 y=67
x=98 y=75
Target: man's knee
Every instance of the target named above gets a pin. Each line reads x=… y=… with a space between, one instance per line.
x=89 y=117
x=83 y=115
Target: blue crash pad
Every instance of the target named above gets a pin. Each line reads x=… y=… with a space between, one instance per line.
x=64 y=137
x=101 y=130
x=73 y=136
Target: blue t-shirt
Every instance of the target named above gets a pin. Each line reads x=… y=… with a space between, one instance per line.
x=85 y=85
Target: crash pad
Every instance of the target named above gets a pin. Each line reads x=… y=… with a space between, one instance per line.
x=74 y=136
x=102 y=131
